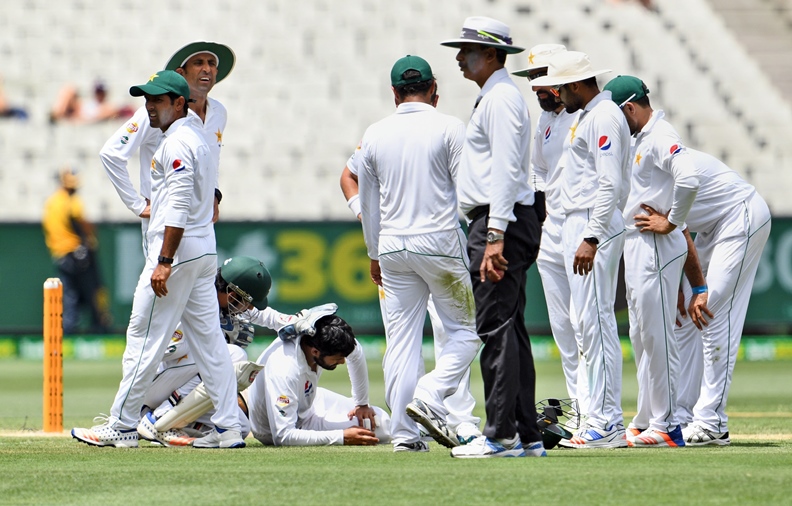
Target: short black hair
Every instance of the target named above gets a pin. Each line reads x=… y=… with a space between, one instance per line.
x=333 y=336
x=500 y=55
x=591 y=82
x=643 y=101
x=418 y=88
x=173 y=96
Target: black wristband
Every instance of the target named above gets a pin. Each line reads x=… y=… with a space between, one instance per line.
x=592 y=240
x=164 y=260
x=218 y=195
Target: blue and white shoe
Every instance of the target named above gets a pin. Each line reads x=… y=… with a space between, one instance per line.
x=593 y=437
x=483 y=447
x=535 y=449
x=466 y=432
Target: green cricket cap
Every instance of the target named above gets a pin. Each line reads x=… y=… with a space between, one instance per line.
x=626 y=89
x=410 y=70
x=161 y=83
x=223 y=54
x=249 y=278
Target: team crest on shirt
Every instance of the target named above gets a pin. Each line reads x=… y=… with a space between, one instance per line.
x=283 y=401
x=547 y=133
x=676 y=148
x=604 y=143
x=177 y=165
x=132 y=127
x=308 y=388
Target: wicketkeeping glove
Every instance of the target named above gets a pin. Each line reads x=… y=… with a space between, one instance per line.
x=306 y=319
x=237 y=330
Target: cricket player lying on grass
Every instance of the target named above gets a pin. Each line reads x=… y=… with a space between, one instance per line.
x=287 y=407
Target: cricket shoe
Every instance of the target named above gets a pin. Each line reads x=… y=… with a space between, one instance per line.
x=483 y=447
x=466 y=432
x=434 y=424
x=228 y=438
x=658 y=439
x=105 y=435
x=418 y=446
x=170 y=437
x=591 y=437
x=631 y=432
x=697 y=435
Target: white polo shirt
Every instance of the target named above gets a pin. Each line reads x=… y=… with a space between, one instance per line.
x=495 y=162
x=407 y=167
x=596 y=169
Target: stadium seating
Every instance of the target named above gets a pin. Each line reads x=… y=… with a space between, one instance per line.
x=312 y=75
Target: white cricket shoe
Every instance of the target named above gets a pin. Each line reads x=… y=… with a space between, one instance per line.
x=483 y=447
x=227 y=439
x=105 y=435
x=466 y=432
x=697 y=435
x=592 y=437
x=170 y=437
x=434 y=424
x=418 y=446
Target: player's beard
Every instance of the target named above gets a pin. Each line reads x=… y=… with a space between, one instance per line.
x=549 y=103
x=320 y=361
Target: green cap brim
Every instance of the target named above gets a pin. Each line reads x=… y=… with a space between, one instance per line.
x=225 y=55
x=147 y=89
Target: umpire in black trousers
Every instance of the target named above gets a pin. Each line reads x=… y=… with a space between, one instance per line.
x=503 y=239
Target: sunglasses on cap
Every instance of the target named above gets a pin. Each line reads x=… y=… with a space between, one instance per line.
x=537 y=75
x=621 y=106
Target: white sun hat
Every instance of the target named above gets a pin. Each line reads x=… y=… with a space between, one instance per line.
x=538 y=57
x=486 y=31
x=567 y=67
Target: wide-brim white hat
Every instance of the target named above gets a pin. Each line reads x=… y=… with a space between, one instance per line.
x=567 y=67
x=538 y=57
x=486 y=31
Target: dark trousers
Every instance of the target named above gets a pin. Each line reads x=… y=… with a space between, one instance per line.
x=82 y=286
x=507 y=364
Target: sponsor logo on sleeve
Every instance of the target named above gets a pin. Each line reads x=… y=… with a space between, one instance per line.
x=547 y=133
x=124 y=139
x=604 y=143
x=308 y=388
x=132 y=127
x=283 y=401
x=676 y=148
x=177 y=165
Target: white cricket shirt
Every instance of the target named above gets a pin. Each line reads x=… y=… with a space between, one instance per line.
x=551 y=131
x=596 y=169
x=407 y=167
x=663 y=175
x=283 y=395
x=183 y=178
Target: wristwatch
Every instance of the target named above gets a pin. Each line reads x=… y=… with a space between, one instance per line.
x=493 y=237
x=164 y=260
x=592 y=240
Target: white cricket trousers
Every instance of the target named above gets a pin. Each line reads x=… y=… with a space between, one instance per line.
x=729 y=257
x=555 y=283
x=593 y=296
x=653 y=264
x=191 y=298
x=461 y=404
x=413 y=267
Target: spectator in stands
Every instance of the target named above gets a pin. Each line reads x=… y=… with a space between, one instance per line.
x=70 y=107
x=7 y=110
x=73 y=245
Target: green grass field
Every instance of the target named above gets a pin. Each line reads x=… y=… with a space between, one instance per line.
x=36 y=469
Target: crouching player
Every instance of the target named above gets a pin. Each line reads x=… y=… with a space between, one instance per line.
x=287 y=407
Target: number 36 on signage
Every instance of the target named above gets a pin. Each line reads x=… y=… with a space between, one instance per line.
x=317 y=266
